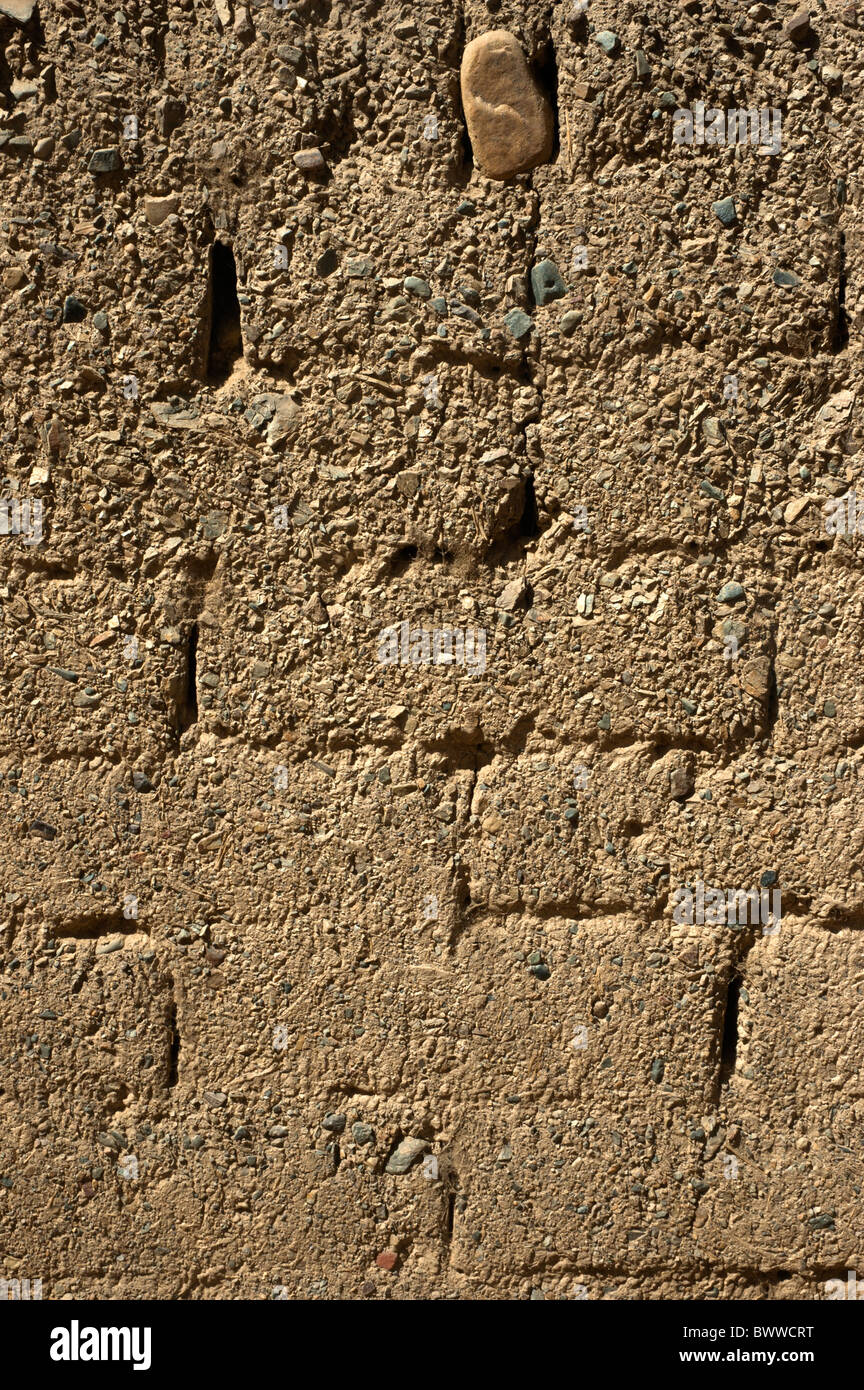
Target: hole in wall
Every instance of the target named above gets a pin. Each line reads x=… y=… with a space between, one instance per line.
x=546 y=73
x=189 y=701
x=729 y=1043
x=529 y=521
x=226 y=341
x=451 y=1215
x=403 y=557
x=174 y=1046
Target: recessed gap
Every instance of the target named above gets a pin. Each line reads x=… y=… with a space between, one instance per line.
x=773 y=708
x=546 y=73
x=451 y=1215
x=174 y=1048
x=226 y=342
x=189 y=703
x=466 y=150
x=529 y=521
x=89 y=927
x=729 y=1044
x=401 y=559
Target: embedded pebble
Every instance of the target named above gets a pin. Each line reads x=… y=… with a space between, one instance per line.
x=509 y=120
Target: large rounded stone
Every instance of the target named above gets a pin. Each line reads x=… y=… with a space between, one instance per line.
x=509 y=118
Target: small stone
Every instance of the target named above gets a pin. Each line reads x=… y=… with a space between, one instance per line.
x=509 y=119
x=414 y=285
x=157 y=209
x=215 y=1099
x=730 y=593
x=511 y=595
x=42 y=829
x=463 y=311
x=832 y=77
x=73 y=310
x=681 y=783
x=388 y=1259
x=244 y=30
x=786 y=279
x=405 y=1155
x=822 y=1222
x=710 y=490
x=518 y=322
x=798 y=27
x=20 y=10
x=658 y=1066
x=570 y=322
x=19 y=146
x=100 y=320
x=794 y=509
x=643 y=67
x=724 y=211
x=757 y=677
x=105 y=161
x=769 y=878
x=286 y=421
x=43 y=149
x=546 y=283
x=541 y=972
x=141 y=783
x=408 y=482
x=310 y=161
x=334 y=1122
x=169 y=112
x=358 y=267
x=363 y=1133
x=606 y=40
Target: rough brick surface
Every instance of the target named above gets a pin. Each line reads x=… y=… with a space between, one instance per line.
x=389 y=639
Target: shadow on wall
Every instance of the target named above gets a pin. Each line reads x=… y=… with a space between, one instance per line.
x=225 y=342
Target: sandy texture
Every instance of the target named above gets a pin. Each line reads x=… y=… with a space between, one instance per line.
x=433 y=581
